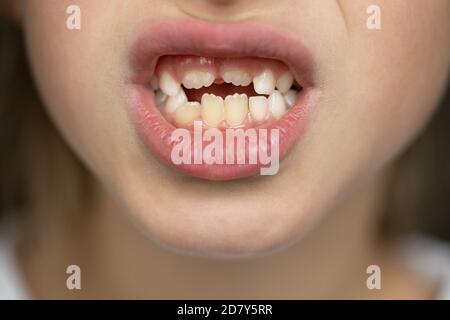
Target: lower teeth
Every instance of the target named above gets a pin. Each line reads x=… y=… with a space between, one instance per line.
x=234 y=111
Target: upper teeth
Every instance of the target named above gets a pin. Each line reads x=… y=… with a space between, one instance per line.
x=237 y=77
x=169 y=85
x=197 y=79
x=284 y=83
x=264 y=83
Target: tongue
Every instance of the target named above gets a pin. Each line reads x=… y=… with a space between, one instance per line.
x=222 y=90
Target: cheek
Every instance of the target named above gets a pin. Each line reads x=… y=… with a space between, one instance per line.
x=393 y=76
x=78 y=74
x=408 y=63
x=379 y=89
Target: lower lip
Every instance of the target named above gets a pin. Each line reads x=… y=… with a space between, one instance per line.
x=185 y=38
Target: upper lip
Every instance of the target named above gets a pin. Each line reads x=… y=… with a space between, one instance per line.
x=247 y=39
x=201 y=38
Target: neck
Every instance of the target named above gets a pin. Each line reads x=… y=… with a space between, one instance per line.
x=118 y=261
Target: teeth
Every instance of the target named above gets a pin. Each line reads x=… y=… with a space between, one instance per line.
x=258 y=108
x=187 y=113
x=275 y=97
x=154 y=83
x=212 y=109
x=291 y=97
x=264 y=83
x=169 y=85
x=284 y=82
x=196 y=79
x=237 y=77
x=160 y=97
x=173 y=103
x=236 y=109
x=277 y=105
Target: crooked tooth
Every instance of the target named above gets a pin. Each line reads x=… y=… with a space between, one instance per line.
x=264 y=83
x=169 y=85
x=173 y=103
x=236 y=109
x=195 y=79
x=237 y=77
x=212 y=109
x=187 y=113
x=284 y=82
x=160 y=97
x=291 y=97
x=277 y=105
x=258 y=108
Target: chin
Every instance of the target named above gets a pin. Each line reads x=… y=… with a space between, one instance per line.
x=221 y=233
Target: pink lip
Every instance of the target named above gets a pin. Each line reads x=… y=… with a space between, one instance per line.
x=200 y=38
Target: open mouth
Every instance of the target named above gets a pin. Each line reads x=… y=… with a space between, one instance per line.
x=223 y=92
x=239 y=78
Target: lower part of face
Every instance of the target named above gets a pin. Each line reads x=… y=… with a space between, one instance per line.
x=380 y=71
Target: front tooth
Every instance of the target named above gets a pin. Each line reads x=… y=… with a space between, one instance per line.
x=277 y=105
x=196 y=79
x=212 y=109
x=187 y=113
x=169 y=85
x=236 y=109
x=291 y=97
x=284 y=82
x=173 y=103
x=258 y=108
x=237 y=77
x=264 y=83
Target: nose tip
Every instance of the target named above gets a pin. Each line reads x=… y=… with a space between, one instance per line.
x=216 y=10
x=222 y=2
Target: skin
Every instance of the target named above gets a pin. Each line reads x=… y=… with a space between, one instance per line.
x=379 y=89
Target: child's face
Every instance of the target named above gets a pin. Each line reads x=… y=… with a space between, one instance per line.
x=366 y=93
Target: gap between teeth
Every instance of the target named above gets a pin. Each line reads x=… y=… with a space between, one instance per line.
x=235 y=109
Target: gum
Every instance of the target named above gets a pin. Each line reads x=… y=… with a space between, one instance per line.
x=177 y=66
